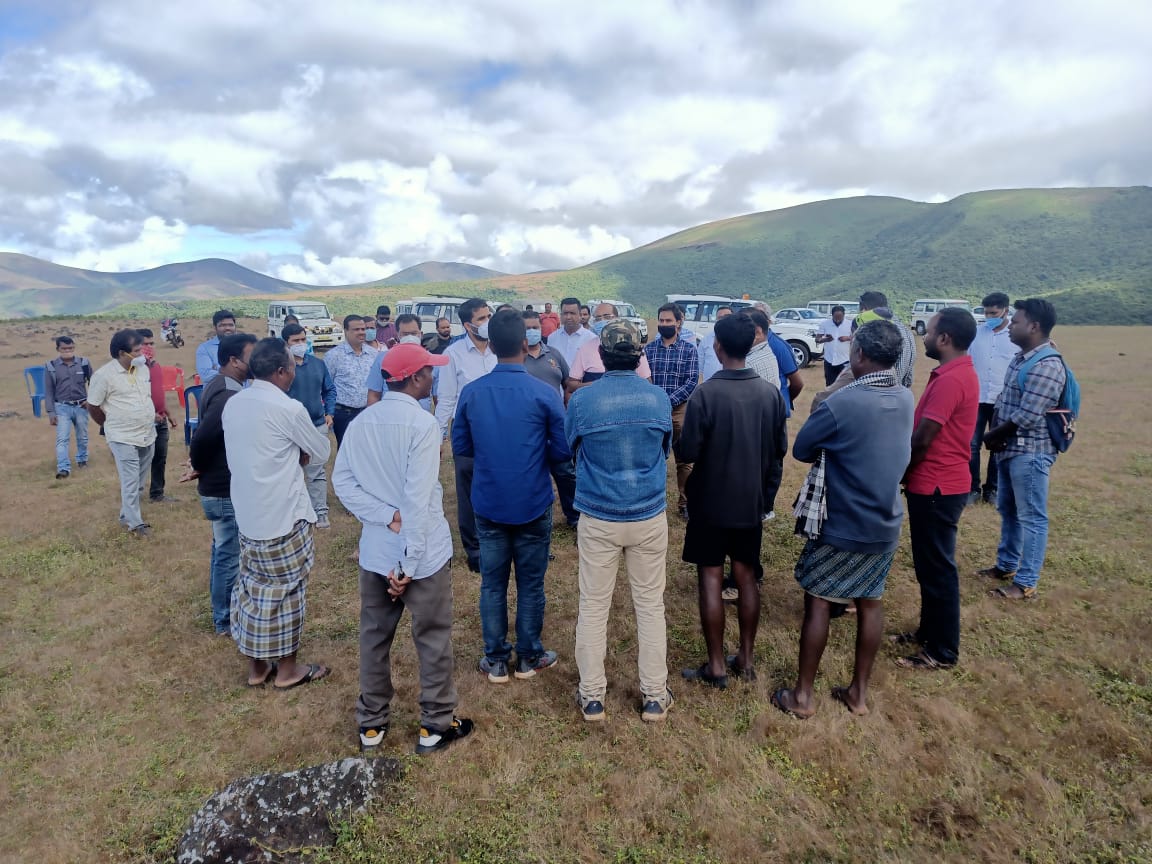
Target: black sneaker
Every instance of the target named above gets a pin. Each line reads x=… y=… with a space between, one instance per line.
x=656 y=710
x=592 y=710
x=527 y=667
x=496 y=670
x=371 y=737
x=431 y=740
x=61 y=475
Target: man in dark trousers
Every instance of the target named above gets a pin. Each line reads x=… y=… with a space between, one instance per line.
x=735 y=436
x=213 y=479
x=312 y=387
x=936 y=486
x=164 y=420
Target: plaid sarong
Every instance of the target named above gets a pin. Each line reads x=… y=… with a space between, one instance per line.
x=811 y=507
x=268 y=597
x=839 y=575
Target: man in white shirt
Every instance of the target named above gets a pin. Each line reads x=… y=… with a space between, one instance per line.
x=268 y=437
x=571 y=335
x=387 y=475
x=991 y=352
x=120 y=400
x=836 y=335
x=709 y=365
x=468 y=359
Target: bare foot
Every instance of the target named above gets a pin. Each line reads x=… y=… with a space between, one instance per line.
x=844 y=696
x=260 y=672
x=786 y=701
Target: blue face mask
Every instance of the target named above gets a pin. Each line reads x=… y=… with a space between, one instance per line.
x=533 y=336
x=993 y=322
x=370 y=334
x=598 y=327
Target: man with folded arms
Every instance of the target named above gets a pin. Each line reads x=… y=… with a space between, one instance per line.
x=268 y=437
x=387 y=475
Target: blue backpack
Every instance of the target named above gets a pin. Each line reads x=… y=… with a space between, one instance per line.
x=1061 y=420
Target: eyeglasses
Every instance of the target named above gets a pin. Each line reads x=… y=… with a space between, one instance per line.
x=384 y=320
x=605 y=317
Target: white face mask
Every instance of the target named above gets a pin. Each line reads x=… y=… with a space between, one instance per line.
x=140 y=361
x=299 y=350
x=410 y=340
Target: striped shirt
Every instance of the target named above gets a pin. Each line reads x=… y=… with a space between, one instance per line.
x=1026 y=407
x=675 y=368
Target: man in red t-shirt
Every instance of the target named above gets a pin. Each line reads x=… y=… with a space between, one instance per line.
x=164 y=420
x=936 y=486
x=549 y=321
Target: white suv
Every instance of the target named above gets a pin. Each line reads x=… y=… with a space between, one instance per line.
x=626 y=311
x=700 y=318
x=923 y=310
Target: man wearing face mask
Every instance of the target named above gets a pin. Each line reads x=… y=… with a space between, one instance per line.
x=469 y=359
x=313 y=388
x=991 y=352
x=548 y=365
x=387 y=332
x=164 y=420
x=588 y=365
x=676 y=368
x=209 y=460
x=120 y=400
x=349 y=364
x=408 y=332
x=370 y=331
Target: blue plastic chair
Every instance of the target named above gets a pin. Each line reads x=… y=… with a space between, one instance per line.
x=191 y=394
x=34 y=381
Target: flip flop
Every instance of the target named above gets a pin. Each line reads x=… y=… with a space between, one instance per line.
x=738 y=671
x=840 y=694
x=271 y=674
x=778 y=701
x=922 y=661
x=310 y=676
x=908 y=638
x=720 y=682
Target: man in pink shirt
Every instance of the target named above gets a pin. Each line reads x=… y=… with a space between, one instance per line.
x=936 y=487
x=587 y=366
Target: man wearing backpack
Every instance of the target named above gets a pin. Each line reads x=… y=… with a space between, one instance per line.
x=1033 y=386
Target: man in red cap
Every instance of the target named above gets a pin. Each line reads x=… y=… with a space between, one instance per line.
x=387 y=475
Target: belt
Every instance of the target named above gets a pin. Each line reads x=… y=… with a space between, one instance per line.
x=76 y=402
x=340 y=407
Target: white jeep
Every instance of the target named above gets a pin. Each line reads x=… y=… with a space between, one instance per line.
x=700 y=317
x=626 y=311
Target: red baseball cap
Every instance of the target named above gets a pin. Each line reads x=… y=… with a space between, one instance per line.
x=407 y=359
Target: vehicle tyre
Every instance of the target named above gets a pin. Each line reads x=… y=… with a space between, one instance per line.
x=920 y=327
x=179 y=341
x=801 y=353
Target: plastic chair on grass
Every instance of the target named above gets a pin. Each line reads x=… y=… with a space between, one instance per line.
x=174 y=380
x=191 y=394
x=34 y=381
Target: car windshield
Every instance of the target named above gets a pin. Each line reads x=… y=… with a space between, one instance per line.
x=808 y=313
x=311 y=313
x=625 y=310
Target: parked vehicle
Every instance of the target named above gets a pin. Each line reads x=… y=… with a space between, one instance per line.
x=978 y=314
x=170 y=332
x=700 y=318
x=434 y=307
x=795 y=313
x=626 y=311
x=823 y=308
x=923 y=310
x=314 y=317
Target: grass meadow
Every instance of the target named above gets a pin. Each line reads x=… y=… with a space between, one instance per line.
x=120 y=713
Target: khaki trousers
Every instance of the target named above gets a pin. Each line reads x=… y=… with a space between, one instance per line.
x=683 y=469
x=645 y=547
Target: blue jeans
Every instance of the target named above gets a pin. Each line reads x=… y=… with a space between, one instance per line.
x=1023 y=504
x=502 y=546
x=225 y=558
x=67 y=417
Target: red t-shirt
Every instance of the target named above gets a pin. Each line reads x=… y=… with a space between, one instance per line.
x=950 y=399
x=549 y=323
x=156 y=379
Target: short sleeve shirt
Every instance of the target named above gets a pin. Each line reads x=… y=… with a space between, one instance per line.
x=951 y=399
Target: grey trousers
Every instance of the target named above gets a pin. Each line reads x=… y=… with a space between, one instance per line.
x=316 y=479
x=430 y=602
x=134 y=465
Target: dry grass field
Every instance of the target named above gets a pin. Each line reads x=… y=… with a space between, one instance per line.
x=120 y=713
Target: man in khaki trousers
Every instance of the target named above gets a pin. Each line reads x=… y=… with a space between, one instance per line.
x=620 y=429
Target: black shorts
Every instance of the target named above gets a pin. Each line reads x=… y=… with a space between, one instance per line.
x=709 y=545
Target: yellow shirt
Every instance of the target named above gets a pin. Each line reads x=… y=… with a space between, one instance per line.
x=125 y=396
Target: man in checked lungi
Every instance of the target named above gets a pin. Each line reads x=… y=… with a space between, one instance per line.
x=850 y=511
x=269 y=437
x=387 y=475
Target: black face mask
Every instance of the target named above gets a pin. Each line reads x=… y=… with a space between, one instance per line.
x=667 y=331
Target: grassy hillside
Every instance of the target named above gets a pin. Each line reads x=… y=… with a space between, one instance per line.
x=440 y=271
x=1090 y=250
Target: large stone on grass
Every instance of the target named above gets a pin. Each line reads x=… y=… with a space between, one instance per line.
x=277 y=817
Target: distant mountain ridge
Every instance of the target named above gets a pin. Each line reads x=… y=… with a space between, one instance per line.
x=440 y=271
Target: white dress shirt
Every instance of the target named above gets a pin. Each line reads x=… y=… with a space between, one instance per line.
x=125 y=396
x=569 y=343
x=265 y=431
x=835 y=352
x=465 y=364
x=991 y=352
x=389 y=461
x=709 y=363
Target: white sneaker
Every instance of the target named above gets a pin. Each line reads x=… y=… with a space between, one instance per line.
x=769 y=516
x=322 y=521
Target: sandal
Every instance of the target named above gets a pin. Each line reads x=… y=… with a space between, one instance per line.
x=315 y=673
x=778 y=701
x=738 y=671
x=840 y=694
x=1004 y=592
x=904 y=639
x=720 y=682
x=922 y=661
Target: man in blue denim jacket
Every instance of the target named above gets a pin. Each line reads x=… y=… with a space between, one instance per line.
x=620 y=429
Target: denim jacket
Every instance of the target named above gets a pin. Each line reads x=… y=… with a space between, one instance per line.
x=620 y=429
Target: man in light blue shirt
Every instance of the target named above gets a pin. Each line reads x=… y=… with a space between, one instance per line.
x=709 y=365
x=207 y=364
x=349 y=364
x=408 y=332
x=387 y=475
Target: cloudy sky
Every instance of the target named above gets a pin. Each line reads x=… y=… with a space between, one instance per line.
x=339 y=141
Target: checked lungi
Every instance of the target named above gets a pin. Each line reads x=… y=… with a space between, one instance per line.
x=268 y=598
x=839 y=575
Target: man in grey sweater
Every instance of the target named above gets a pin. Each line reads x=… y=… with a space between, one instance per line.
x=861 y=437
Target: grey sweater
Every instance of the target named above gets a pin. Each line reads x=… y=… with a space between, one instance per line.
x=866 y=434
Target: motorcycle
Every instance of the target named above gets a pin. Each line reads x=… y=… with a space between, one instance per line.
x=171 y=334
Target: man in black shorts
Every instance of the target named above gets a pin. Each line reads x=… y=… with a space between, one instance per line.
x=734 y=432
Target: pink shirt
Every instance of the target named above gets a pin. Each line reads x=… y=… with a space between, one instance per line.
x=588 y=363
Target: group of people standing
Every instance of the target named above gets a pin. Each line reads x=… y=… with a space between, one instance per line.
x=599 y=413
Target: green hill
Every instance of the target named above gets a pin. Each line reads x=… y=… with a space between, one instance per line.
x=1088 y=250
x=440 y=271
